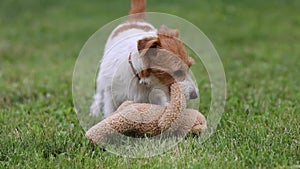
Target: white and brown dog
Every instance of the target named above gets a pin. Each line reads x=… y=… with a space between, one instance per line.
x=140 y=63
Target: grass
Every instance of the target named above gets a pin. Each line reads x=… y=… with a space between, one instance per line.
x=258 y=43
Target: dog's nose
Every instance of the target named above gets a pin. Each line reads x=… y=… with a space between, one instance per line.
x=193 y=95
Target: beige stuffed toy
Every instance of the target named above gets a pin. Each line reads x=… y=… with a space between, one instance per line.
x=143 y=119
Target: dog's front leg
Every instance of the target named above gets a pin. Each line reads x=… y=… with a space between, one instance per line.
x=109 y=107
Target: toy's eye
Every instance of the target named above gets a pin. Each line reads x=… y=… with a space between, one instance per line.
x=178 y=73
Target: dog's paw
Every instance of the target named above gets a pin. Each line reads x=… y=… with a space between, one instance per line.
x=145 y=81
x=95 y=110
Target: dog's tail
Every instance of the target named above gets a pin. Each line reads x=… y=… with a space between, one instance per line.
x=137 y=11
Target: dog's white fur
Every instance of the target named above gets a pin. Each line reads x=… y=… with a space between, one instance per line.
x=116 y=81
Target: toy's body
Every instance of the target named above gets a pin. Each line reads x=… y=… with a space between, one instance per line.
x=140 y=119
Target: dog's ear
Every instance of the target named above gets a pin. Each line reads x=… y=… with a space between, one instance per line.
x=147 y=43
x=164 y=30
x=147 y=48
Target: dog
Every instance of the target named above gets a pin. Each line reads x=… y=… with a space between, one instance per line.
x=140 y=63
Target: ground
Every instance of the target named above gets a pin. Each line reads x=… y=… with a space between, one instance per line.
x=258 y=42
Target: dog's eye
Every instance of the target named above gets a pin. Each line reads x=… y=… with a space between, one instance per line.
x=178 y=73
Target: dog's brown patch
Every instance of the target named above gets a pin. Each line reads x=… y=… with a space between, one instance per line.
x=131 y=26
x=169 y=40
x=165 y=56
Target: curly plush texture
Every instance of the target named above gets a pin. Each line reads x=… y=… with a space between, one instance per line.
x=140 y=119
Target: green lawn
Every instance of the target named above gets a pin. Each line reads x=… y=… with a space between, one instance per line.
x=258 y=42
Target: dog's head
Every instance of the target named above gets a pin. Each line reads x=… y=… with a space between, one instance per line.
x=166 y=59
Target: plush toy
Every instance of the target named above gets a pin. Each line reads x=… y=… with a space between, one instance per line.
x=143 y=119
